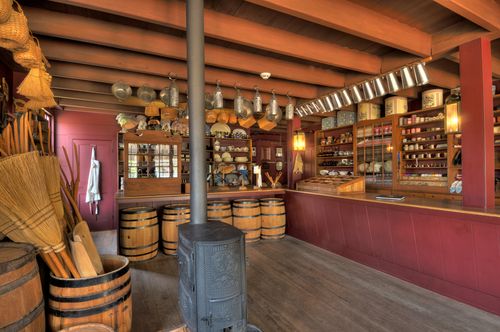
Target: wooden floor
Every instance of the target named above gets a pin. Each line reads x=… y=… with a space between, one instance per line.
x=294 y=286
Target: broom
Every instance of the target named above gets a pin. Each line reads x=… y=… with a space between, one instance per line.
x=50 y=167
x=22 y=187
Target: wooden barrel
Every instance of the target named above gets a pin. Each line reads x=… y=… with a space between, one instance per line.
x=173 y=216
x=246 y=217
x=272 y=212
x=139 y=233
x=21 y=298
x=220 y=211
x=105 y=299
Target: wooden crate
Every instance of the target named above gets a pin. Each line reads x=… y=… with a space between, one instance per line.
x=333 y=184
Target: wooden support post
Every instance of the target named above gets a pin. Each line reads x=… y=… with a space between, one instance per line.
x=478 y=154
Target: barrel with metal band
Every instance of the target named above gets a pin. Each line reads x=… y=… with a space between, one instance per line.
x=21 y=298
x=272 y=212
x=246 y=217
x=139 y=233
x=220 y=211
x=173 y=216
x=104 y=299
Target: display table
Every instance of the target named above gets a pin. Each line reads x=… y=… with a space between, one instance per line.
x=436 y=244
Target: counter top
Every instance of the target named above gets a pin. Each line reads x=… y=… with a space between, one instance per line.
x=214 y=193
x=418 y=202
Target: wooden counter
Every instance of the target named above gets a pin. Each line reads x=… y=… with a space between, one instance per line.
x=435 y=244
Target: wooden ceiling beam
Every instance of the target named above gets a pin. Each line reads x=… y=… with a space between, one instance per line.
x=99 y=98
x=449 y=39
x=485 y=13
x=495 y=63
x=64 y=102
x=110 y=76
x=80 y=86
x=368 y=24
x=239 y=31
x=148 y=64
x=49 y=23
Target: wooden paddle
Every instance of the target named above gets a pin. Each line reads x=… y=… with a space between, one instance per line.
x=81 y=257
x=82 y=231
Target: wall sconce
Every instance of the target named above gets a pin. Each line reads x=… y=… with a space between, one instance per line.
x=452 y=109
x=299 y=141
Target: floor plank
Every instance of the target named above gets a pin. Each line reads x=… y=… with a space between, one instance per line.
x=294 y=286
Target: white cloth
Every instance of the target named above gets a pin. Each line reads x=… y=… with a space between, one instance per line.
x=93 y=195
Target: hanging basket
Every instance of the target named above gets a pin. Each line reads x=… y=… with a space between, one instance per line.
x=5 y=10
x=14 y=33
x=32 y=57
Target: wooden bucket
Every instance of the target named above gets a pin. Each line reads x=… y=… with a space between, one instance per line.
x=105 y=299
x=173 y=216
x=220 y=211
x=21 y=298
x=139 y=233
x=272 y=212
x=246 y=217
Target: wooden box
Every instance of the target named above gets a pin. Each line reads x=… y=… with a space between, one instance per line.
x=328 y=184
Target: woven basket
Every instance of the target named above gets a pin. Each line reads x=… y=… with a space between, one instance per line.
x=30 y=58
x=14 y=33
x=36 y=85
x=5 y=10
x=36 y=104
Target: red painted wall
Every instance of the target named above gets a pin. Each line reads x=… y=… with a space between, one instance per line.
x=87 y=130
x=452 y=253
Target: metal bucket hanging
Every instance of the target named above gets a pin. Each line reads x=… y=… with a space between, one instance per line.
x=218 y=99
x=174 y=93
x=289 y=108
x=273 y=110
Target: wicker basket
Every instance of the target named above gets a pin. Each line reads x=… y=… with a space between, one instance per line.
x=30 y=58
x=5 y=10
x=14 y=33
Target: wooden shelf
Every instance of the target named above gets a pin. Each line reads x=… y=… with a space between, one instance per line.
x=423 y=111
x=336 y=128
x=419 y=168
x=334 y=144
x=423 y=150
x=335 y=157
x=426 y=141
x=424 y=133
x=338 y=166
x=421 y=123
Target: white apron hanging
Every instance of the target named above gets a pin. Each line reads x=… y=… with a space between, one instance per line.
x=93 y=195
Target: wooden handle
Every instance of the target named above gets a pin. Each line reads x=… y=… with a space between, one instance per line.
x=46 y=258
x=69 y=263
x=58 y=265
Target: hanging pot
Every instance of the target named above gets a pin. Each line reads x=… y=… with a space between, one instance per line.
x=165 y=96
x=121 y=91
x=218 y=98
x=174 y=93
x=146 y=94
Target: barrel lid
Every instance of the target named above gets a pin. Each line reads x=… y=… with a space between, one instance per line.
x=138 y=209
x=14 y=255
x=272 y=199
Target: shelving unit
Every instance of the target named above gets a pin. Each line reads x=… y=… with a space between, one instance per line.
x=334 y=149
x=424 y=155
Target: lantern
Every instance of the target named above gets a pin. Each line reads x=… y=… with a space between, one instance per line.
x=299 y=141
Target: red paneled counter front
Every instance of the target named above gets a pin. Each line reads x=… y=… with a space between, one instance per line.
x=442 y=247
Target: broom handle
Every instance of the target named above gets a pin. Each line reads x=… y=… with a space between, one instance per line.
x=69 y=263
x=40 y=137
x=49 y=140
x=30 y=134
x=73 y=203
x=58 y=264
x=15 y=129
x=46 y=258
x=77 y=181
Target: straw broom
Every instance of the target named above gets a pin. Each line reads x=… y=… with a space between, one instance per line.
x=50 y=167
x=22 y=187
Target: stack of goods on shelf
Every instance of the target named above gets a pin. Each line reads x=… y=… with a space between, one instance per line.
x=334 y=153
x=333 y=184
x=368 y=111
x=346 y=118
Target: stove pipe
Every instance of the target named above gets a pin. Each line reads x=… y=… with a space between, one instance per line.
x=196 y=107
